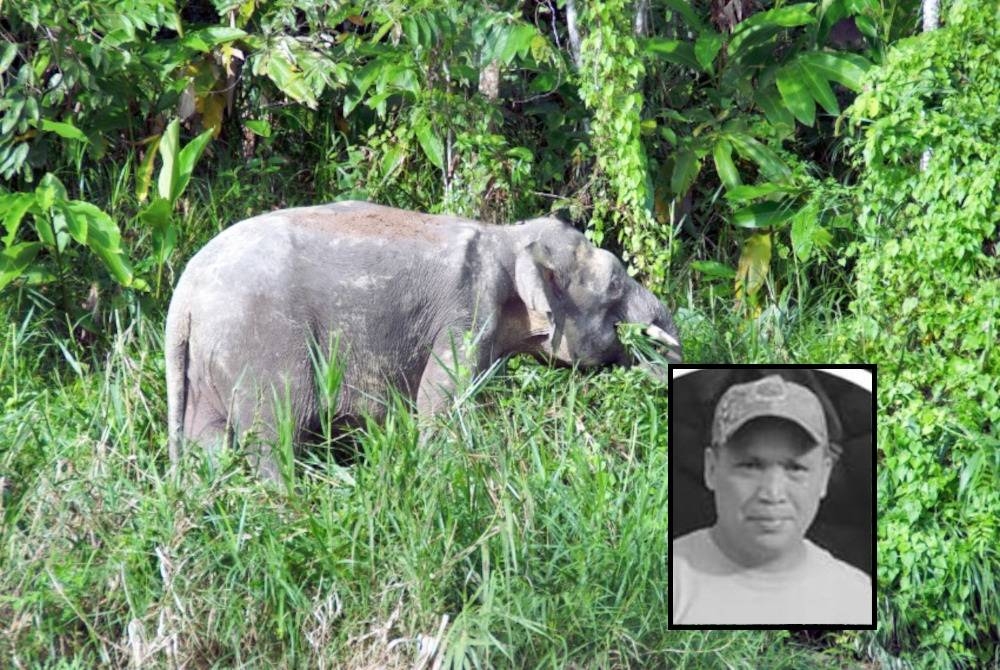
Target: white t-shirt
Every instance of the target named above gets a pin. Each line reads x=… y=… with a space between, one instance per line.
x=710 y=589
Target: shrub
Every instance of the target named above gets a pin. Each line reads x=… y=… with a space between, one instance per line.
x=928 y=298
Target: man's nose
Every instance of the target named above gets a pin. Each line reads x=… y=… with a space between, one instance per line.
x=772 y=485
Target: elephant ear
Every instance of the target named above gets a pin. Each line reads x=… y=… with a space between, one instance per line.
x=535 y=279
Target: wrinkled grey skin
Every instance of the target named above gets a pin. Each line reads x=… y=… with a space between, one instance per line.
x=399 y=291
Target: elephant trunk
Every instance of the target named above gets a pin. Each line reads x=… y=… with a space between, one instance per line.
x=644 y=308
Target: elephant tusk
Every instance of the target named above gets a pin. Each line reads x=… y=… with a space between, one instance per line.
x=662 y=336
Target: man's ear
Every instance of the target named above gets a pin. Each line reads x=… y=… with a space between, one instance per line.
x=535 y=279
x=828 y=464
x=710 y=464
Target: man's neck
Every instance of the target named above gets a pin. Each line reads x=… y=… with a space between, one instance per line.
x=785 y=561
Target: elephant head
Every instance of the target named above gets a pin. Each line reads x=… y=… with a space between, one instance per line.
x=577 y=294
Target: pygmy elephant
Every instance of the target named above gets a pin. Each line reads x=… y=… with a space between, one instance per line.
x=400 y=293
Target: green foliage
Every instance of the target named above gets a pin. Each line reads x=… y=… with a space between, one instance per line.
x=55 y=220
x=452 y=107
x=89 y=73
x=928 y=299
x=40 y=225
x=732 y=103
x=175 y=174
x=527 y=530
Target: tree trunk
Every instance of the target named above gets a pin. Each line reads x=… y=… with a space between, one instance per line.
x=574 y=32
x=931 y=11
x=640 y=26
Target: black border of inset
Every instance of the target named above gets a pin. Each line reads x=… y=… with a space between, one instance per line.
x=870 y=367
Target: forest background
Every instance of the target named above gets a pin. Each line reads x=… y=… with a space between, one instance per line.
x=800 y=181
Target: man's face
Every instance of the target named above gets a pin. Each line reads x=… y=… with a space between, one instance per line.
x=768 y=480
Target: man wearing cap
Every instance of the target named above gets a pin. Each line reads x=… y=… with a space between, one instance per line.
x=768 y=467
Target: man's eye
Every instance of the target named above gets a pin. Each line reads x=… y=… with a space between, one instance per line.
x=798 y=467
x=748 y=465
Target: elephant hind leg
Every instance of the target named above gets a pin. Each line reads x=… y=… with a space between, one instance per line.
x=206 y=426
x=269 y=423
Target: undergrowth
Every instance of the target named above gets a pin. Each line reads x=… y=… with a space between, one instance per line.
x=528 y=529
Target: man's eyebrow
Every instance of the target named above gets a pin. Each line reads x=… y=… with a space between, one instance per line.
x=753 y=458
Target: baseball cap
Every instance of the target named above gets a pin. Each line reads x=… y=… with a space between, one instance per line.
x=770 y=396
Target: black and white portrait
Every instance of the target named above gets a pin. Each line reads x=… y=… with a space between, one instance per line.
x=772 y=507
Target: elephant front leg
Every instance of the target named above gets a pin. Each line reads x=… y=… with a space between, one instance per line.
x=449 y=373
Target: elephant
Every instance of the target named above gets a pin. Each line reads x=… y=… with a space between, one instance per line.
x=401 y=294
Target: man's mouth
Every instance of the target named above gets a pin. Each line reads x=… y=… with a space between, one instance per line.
x=769 y=524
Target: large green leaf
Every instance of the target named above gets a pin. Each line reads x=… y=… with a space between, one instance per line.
x=205 y=39
x=103 y=238
x=169 y=170
x=819 y=88
x=845 y=69
x=8 y=52
x=803 y=232
x=11 y=161
x=722 y=152
x=411 y=31
x=796 y=94
x=706 y=48
x=178 y=164
x=714 y=269
x=144 y=173
x=364 y=77
x=56 y=223
x=395 y=78
x=768 y=214
x=287 y=77
x=675 y=51
x=65 y=130
x=515 y=40
x=186 y=160
x=789 y=16
x=683 y=7
x=259 y=127
x=14 y=206
x=75 y=219
x=14 y=260
x=770 y=163
x=686 y=169
x=764 y=26
x=753 y=266
x=769 y=100
x=49 y=191
x=752 y=191
x=394 y=156
x=159 y=217
x=430 y=142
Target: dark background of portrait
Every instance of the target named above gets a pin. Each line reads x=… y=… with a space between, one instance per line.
x=843 y=525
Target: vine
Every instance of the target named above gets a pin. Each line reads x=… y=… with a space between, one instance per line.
x=611 y=74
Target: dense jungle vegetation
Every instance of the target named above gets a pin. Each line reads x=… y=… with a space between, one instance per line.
x=799 y=181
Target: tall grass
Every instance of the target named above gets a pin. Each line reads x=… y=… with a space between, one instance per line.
x=527 y=529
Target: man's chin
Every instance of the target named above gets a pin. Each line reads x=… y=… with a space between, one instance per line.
x=771 y=533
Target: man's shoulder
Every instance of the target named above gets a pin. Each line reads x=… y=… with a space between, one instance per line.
x=692 y=545
x=838 y=571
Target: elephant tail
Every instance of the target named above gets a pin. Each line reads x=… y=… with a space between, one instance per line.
x=178 y=332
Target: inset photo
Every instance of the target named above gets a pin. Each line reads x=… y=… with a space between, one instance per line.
x=772 y=497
